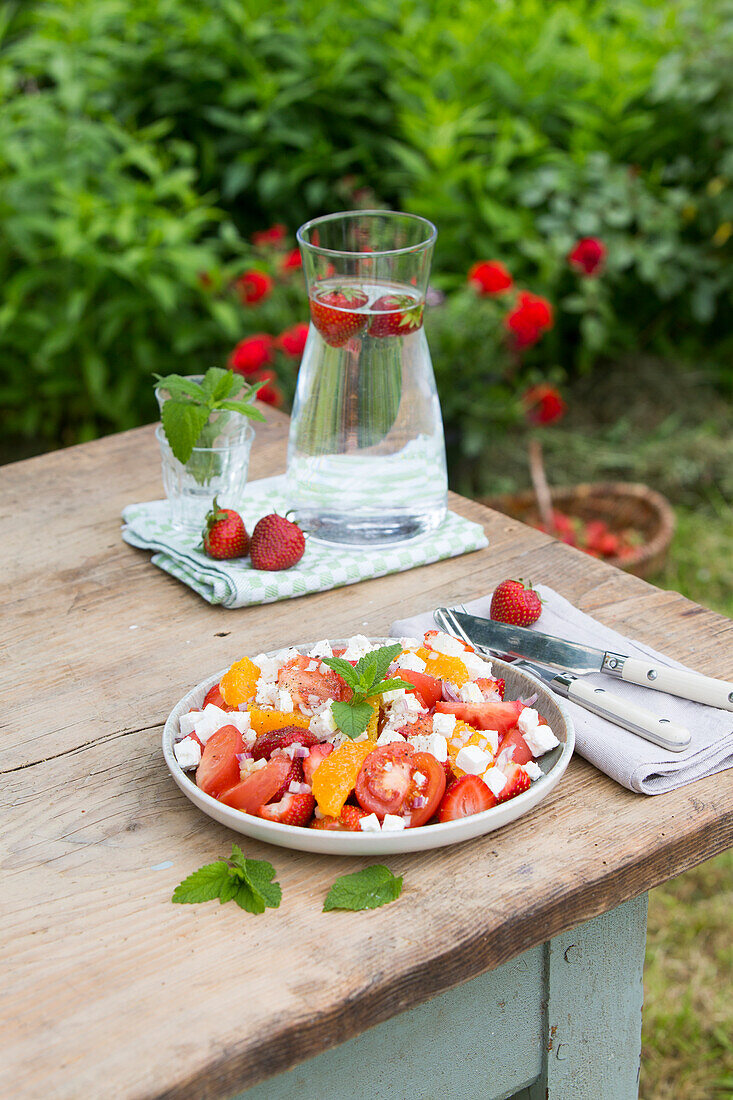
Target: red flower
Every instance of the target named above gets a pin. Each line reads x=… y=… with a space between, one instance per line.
x=543 y=404
x=490 y=277
x=292 y=261
x=270 y=394
x=252 y=286
x=251 y=354
x=530 y=318
x=265 y=238
x=292 y=341
x=588 y=256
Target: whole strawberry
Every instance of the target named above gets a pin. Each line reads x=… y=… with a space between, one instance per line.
x=515 y=603
x=334 y=313
x=396 y=315
x=225 y=535
x=276 y=543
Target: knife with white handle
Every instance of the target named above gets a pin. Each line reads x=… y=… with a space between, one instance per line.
x=660 y=731
x=581 y=659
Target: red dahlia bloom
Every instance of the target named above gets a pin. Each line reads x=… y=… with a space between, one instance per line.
x=292 y=261
x=490 y=277
x=270 y=394
x=252 y=286
x=588 y=256
x=265 y=238
x=292 y=341
x=251 y=354
x=543 y=404
x=530 y=318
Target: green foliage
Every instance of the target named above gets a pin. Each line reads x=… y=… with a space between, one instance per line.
x=142 y=142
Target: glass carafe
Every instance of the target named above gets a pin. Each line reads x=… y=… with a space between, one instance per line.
x=366 y=457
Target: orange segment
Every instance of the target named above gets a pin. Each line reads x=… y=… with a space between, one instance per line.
x=265 y=720
x=240 y=683
x=335 y=776
x=463 y=735
x=444 y=668
x=372 y=730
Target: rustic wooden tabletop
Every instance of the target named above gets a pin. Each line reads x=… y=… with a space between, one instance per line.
x=109 y=990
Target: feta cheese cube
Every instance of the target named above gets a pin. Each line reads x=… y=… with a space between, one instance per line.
x=433 y=743
x=321 y=649
x=267 y=693
x=268 y=666
x=528 y=719
x=473 y=760
x=370 y=824
x=363 y=736
x=444 y=723
x=357 y=648
x=492 y=737
x=410 y=643
x=470 y=693
x=212 y=719
x=540 y=739
x=284 y=701
x=387 y=736
x=444 y=643
x=188 y=753
x=393 y=696
x=495 y=780
x=187 y=722
x=392 y=822
x=323 y=723
x=420 y=779
x=533 y=770
x=410 y=662
x=476 y=665
x=411 y=704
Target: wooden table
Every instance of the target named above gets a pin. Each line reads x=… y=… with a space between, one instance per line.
x=111 y=991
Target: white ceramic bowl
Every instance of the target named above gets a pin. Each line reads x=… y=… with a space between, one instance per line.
x=519 y=684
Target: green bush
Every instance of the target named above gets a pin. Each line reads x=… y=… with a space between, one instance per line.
x=143 y=141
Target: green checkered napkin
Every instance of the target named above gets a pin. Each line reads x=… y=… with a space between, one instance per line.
x=237 y=584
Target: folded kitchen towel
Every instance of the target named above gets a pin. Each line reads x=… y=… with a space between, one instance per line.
x=236 y=584
x=627 y=758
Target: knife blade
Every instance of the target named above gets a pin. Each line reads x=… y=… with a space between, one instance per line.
x=630 y=716
x=581 y=659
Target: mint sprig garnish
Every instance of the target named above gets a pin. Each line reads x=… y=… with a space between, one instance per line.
x=248 y=882
x=367 y=889
x=365 y=680
x=185 y=415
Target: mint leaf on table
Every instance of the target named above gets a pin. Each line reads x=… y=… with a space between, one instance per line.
x=245 y=881
x=365 y=681
x=367 y=889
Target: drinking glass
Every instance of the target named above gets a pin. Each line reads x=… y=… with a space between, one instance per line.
x=366 y=454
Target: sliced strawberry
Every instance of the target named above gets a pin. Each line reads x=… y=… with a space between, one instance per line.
x=314 y=758
x=267 y=742
x=311 y=687
x=333 y=314
x=491 y=688
x=294 y=775
x=485 y=716
x=347 y=822
x=214 y=695
x=513 y=740
x=468 y=796
x=517 y=782
x=399 y=315
x=291 y=809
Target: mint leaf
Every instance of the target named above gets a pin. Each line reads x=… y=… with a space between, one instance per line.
x=391 y=685
x=352 y=718
x=258 y=873
x=218 y=384
x=203 y=885
x=249 y=899
x=243 y=407
x=182 y=423
x=344 y=669
x=367 y=889
x=178 y=386
x=381 y=659
x=231 y=886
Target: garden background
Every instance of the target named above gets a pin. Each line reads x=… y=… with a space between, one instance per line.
x=148 y=146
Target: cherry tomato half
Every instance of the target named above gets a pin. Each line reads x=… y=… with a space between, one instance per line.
x=219 y=767
x=214 y=695
x=430 y=788
x=429 y=687
x=385 y=778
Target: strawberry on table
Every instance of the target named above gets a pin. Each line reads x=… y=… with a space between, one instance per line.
x=276 y=543
x=225 y=535
x=515 y=603
x=401 y=315
x=333 y=314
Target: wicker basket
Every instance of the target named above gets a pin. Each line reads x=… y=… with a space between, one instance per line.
x=619 y=503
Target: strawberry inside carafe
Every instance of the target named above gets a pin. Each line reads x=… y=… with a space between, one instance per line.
x=341 y=310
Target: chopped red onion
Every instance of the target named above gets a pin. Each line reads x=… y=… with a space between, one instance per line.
x=450 y=692
x=243 y=706
x=300 y=751
x=420 y=801
x=244 y=756
x=530 y=700
x=299 y=788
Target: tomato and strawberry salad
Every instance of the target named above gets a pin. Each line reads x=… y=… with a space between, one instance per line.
x=323 y=740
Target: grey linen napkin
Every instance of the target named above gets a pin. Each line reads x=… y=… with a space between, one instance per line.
x=625 y=757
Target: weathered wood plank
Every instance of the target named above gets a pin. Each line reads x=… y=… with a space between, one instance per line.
x=112 y=989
